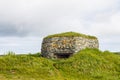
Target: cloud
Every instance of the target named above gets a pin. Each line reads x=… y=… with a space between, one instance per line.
x=107 y=25
x=7 y=29
x=41 y=17
x=20 y=45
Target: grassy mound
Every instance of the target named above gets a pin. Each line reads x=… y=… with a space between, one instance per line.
x=91 y=64
x=26 y=67
x=88 y=64
x=71 y=34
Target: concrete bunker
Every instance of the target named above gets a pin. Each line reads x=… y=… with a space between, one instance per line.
x=66 y=44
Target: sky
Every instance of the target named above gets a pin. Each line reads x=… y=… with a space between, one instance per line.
x=24 y=23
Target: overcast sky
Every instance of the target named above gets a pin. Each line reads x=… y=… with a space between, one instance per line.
x=24 y=23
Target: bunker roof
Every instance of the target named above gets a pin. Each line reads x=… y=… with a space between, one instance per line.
x=71 y=34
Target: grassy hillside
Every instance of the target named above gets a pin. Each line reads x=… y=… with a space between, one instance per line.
x=88 y=64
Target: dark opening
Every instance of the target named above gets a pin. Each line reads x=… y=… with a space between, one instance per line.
x=63 y=55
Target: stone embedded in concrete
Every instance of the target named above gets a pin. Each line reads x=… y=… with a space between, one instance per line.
x=61 y=47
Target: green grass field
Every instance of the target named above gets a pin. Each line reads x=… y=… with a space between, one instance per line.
x=88 y=64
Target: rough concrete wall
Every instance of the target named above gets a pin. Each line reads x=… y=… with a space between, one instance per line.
x=51 y=46
x=82 y=43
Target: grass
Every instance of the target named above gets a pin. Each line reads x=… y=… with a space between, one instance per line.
x=88 y=64
x=71 y=34
x=117 y=53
